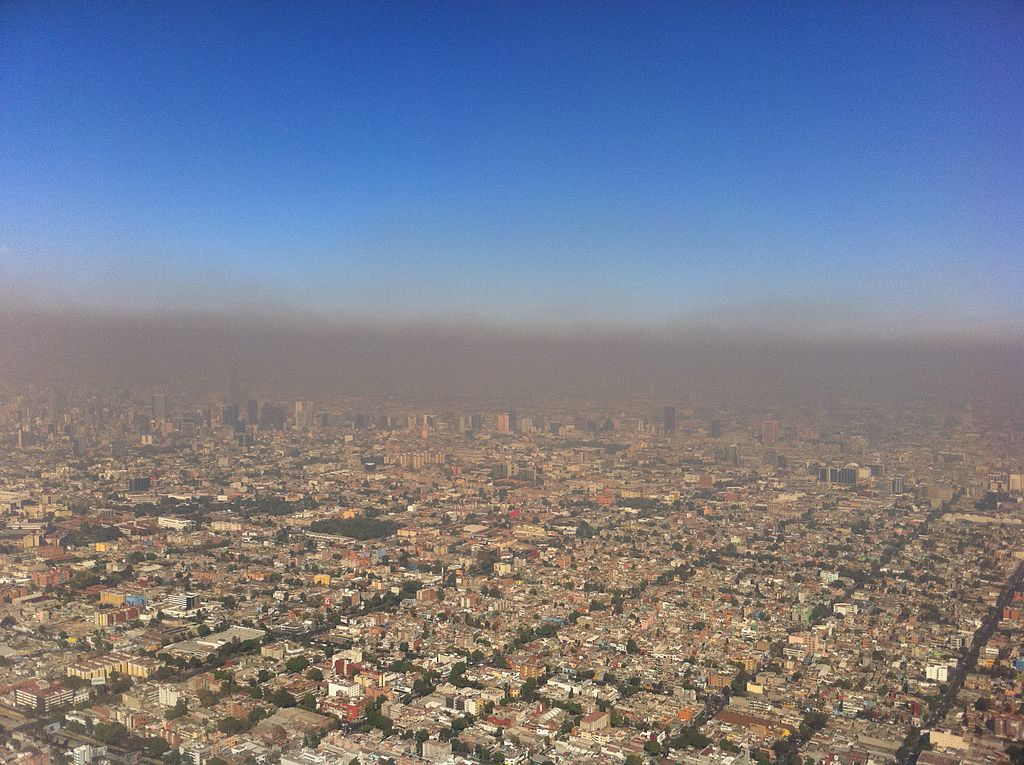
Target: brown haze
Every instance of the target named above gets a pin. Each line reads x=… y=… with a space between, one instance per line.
x=305 y=357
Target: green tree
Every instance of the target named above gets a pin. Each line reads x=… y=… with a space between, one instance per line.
x=230 y=725
x=180 y=709
x=257 y=714
x=281 y=698
x=113 y=734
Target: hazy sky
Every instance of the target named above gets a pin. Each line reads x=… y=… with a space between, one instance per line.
x=850 y=166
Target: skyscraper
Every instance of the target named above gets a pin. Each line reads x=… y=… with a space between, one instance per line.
x=670 y=419
x=57 y=402
x=770 y=431
x=233 y=394
x=272 y=417
x=303 y=414
x=230 y=416
x=160 y=407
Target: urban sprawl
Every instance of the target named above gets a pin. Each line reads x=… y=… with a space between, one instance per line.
x=220 y=581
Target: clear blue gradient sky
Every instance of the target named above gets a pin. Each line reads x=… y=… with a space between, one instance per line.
x=855 y=167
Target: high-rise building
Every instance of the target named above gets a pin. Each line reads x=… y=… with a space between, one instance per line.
x=140 y=483
x=502 y=470
x=770 y=431
x=899 y=485
x=670 y=419
x=230 y=417
x=252 y=412
x=87 y=753
x=271 y=417
x=233 y=391
x=160 y=407
x=184 y=601
x=504 y=423
x=57 y=404
x=303 y=414
x=715 y=428
x=847 y=475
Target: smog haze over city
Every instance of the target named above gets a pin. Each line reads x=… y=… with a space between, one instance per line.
x=531 y=383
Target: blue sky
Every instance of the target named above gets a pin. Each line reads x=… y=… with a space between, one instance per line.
x=858 y=166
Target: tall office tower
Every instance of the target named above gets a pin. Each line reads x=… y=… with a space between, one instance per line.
x=303 y=414
x=715 y=428
x=899 y=484
x=670 y=419
x=476 y=422
x=252 y=412
x=513 y=421
x=160 y=407
x=848 y=475
x=140 y=483
x=1016 y=483
x=272 y=417
x=770 y=431
x=57 y=402
x=230 y=417
x=504 y=423
x=233 y=394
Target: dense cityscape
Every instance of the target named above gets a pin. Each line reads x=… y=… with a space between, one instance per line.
x=230 y=580
x=515 y=382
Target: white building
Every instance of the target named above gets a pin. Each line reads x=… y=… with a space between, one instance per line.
x=86 y=753
x=937 y=672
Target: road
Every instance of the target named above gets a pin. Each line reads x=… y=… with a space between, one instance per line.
x=967 y=661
